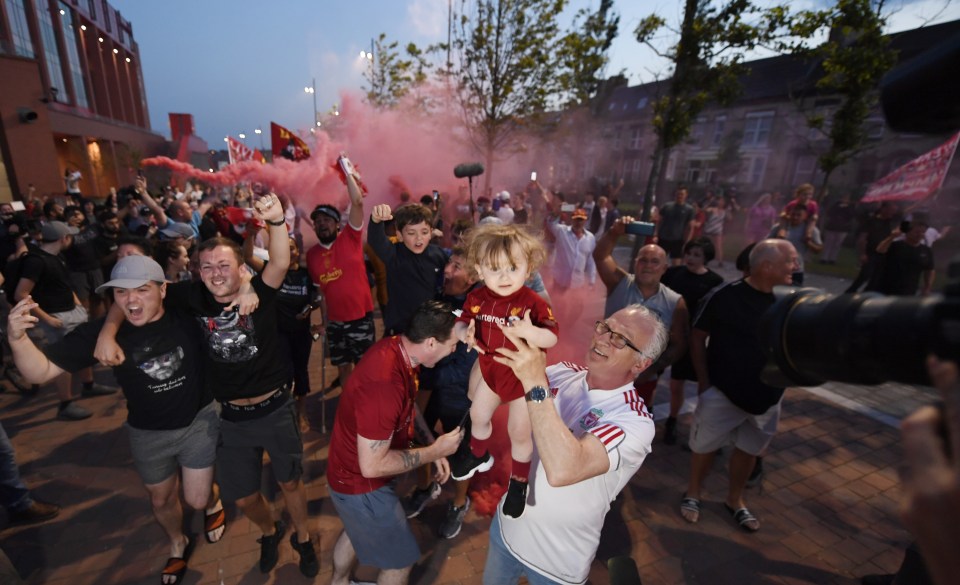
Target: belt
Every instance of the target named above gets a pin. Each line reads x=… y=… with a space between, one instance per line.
x=236 y=413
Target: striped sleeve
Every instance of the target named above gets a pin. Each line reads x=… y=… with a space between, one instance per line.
x=609 y=434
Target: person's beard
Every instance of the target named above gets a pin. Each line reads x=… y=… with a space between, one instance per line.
x=328 y=238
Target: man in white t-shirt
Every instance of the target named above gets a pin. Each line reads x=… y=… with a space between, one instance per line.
x=591 y=433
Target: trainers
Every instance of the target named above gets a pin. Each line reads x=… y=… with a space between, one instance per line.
x=97 y=390
x=73 y=411
x=269 y=548
x=516 y=499
x=309 y=564
x=670 y=431
x=417 y=500
x=454 y=521
x=756 y=476
x=37 y=511
x=465 y=466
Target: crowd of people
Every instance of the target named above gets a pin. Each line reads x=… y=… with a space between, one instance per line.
x=203 y=306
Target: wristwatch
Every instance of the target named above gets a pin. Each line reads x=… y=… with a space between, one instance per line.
x=536 y=394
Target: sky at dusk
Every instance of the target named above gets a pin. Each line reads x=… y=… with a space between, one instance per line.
x=239 y=64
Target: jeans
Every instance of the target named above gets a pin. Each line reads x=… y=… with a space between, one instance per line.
x=502 y=567
x=14 y=495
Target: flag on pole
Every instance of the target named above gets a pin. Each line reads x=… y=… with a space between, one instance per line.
x=287 y=144
x=918 y=179
x=238 y=151
x=258 y=156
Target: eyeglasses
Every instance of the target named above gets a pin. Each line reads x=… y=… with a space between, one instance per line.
x=617 y=340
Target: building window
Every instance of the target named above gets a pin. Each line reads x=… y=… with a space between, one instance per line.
x=671 y=167
x=616 y=138
x=636 y=169
x=612 y=105
x=635 y=141
x=696 y=131
x=17 y=17
x=699 y=171
x=754 y=169
x=642 y=103
x=58 y=88
x=92 y=7
x=806 y=166
x=719 y=125
x=756 y=130
x=106 y=15
x=73 y=56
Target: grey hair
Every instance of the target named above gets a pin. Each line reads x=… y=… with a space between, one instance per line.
x=658 y=341
x=766 y=251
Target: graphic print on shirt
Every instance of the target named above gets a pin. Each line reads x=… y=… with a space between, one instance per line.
x=160 y=358
x=230 y=336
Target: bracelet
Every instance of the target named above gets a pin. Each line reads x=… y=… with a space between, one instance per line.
x=277 y=223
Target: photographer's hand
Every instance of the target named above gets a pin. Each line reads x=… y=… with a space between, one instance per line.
x=931 y=475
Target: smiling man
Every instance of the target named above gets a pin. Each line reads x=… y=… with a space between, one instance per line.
x=171 y=418
x=591 y=433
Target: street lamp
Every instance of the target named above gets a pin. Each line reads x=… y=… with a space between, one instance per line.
x=242 y=136
x=312 y=89
x=259 y=133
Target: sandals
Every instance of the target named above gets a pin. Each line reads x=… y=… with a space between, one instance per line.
x=691 y=505
x=214 y=524
x=177 y=566
x=747 y=521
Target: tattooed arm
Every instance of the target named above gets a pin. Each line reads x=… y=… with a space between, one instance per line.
x=377 y=459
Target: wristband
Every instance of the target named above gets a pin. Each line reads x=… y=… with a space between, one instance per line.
x=277 y=223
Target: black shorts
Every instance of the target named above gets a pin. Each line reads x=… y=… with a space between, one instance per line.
x=348 y=340
x=673 y=248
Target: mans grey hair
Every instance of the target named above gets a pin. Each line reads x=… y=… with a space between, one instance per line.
x=766 y=251
x=658 y=341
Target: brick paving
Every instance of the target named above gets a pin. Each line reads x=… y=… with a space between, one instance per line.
x=828 y=505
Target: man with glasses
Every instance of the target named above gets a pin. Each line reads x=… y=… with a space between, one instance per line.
x=643 y=288
x=591 y=433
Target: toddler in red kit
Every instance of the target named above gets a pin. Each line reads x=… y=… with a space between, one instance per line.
x=503 y=256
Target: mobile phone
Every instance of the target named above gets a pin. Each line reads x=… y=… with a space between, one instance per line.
x=436 y=195
x=139 y=172
x=533 y=176
x=463 y=420
x=346 y=166
x=568 y=208
x=640 y=228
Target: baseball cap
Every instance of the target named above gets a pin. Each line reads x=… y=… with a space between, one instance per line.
x=177 y=230
x=132 y=272
x=579 y=214
x=504 y=196
x=328 y=210
x=54 y=230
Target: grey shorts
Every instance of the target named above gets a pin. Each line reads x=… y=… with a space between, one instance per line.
x=717 y=422
x=241 y=447
x=378 y=528
x=348 y=340
x=158 y=455
x=85 y=283
x=44 y=335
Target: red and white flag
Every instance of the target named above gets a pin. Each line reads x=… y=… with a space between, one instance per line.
x=238 y=151
x=918 y=179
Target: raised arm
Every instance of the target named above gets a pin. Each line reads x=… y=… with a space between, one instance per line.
x=269 y=210
x=377 y=237
x=140 y=185
x=249 y=242
x=356 y=203
x=35 y=367
x=610 y=273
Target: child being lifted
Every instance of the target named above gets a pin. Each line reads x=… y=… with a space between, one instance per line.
x=503 y=256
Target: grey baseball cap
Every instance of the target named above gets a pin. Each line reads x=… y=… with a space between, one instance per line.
x=176 y=229
x=54 y=230
x=133 y=272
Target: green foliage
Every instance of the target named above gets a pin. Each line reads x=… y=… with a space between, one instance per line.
x=853 y=61
x=390 y=76
x=582 y=53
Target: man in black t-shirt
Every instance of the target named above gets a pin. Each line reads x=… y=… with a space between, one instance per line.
x=906 y=262
x=872 y=230
x=250 y=377
x=172 y=421
x=734 y=405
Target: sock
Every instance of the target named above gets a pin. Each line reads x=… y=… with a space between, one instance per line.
x=478 y=446
x=520 y=470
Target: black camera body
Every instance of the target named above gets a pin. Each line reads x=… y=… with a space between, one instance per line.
x=810 y=337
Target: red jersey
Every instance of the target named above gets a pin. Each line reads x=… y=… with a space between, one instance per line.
x=812 y=207
x=340 y=273
x=488 y=310
x=377 y=404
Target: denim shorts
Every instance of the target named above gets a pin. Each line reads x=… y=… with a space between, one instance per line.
x=377 y=528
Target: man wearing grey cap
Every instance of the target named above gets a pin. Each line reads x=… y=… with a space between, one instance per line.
x=172 y=420
x=44 y=276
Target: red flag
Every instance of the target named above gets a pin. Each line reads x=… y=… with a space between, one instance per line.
x=258 y=156
x=287 y=144
x=918 y=179
x=238 y=151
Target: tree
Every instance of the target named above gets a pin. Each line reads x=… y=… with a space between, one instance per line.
x=583 y=53
x=390 y=76
x=852 y=62
x=707 y=63
x=505 y=71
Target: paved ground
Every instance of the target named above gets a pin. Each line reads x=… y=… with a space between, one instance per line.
x=828 y=505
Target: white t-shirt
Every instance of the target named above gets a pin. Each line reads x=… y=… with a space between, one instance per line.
x=559 y=531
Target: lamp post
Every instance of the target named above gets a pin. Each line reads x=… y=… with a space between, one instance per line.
x=243 y=137
x=259 y=133
x=312 y=89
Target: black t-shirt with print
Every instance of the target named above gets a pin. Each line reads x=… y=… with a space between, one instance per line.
x=243 y=356
x=731 y=315
x=162 y=377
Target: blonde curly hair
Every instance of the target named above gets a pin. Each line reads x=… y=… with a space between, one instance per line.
x=492 y=244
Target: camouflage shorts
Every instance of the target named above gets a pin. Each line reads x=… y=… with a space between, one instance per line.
x=350 y=339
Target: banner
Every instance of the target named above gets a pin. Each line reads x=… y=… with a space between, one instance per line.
x=916 y=180
x=238 y=151
x=259 y=157
x=286 y=144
